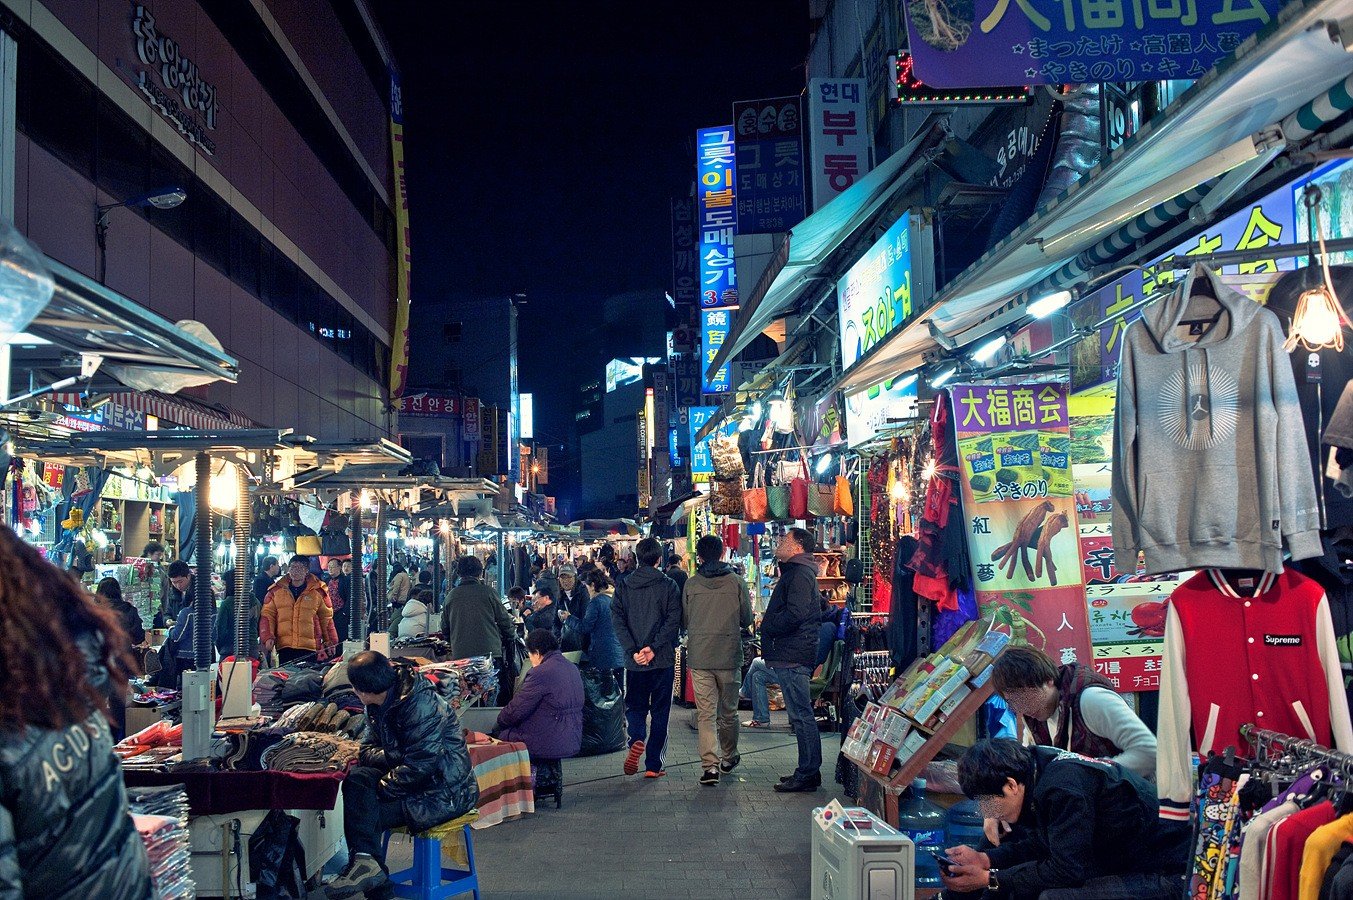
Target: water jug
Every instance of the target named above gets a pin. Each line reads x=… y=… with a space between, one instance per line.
x=923 y=822
x=964 y=824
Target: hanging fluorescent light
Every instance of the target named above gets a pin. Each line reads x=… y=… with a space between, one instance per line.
x=907 y=381
x=824 y=463
x=940 y=379
x=1046 y=306
x=987 y=351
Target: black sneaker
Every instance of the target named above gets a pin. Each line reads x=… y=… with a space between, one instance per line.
x=362 y=876
x=710 y=778
x=730 y=764
x=816 y=780
x=798 y=786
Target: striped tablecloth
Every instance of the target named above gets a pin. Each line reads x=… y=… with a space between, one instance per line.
x=503 y=770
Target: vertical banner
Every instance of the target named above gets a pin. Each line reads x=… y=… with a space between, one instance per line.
x=839 y=140
x=714 y=327
x=717 y=216
x=1014 y=451
x=702 y=461
x=470 y=426
x=769 y=164
x=399 y=340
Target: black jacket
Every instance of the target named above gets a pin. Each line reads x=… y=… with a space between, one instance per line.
x=416 y=738
x=789 y=628
x=575 y=601
x=646 y=612
x=130 y=617
x=64 y=828
x=1087 y=818
x=174 y=601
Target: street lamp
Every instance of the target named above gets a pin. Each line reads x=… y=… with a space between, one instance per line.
x=161 y=198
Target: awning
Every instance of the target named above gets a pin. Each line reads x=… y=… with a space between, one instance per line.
x=812 y=242
x=1223 y=120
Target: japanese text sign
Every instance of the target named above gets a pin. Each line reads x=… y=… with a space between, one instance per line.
x=1003 y=42
x=769 y=138
x=702 y=461
x=874 y=298
x=714 y=327
x=716 y=216
x=839 y=136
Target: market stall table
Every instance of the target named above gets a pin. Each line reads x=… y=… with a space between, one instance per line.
x=503 y=771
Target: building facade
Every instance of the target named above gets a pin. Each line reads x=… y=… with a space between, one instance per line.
x=272 y=117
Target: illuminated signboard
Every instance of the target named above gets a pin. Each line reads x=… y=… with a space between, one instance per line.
x=911 y=89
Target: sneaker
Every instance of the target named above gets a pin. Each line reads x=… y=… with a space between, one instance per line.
x=799 y=786
x=711 y=777
x=753 y=723
x=632 y=758
x=362 y=876
x=730 y=764
x=658 y=774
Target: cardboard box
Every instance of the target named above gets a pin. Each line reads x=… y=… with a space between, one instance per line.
x=882 y=762
x=943 y=693
x=957 y=697
x=912 y=745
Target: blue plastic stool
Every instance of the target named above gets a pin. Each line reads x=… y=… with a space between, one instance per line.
x=428 y=879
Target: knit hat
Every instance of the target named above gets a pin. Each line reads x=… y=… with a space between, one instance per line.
x=568 y=570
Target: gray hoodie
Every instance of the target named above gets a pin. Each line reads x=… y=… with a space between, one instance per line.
x=1210 y=464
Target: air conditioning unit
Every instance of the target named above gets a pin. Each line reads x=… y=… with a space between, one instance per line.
x=862 y=857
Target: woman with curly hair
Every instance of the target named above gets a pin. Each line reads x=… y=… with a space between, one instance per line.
x=64 y=827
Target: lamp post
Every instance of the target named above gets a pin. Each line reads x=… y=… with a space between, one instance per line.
x=162 y=198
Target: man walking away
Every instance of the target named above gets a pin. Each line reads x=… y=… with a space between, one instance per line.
x=647 y=618
x=715 y=610
x=789 y=635
x=474 y=619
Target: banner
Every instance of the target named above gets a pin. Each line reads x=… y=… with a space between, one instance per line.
x=399 y=340
x=685 y=273
x=470 y=425
x=686 y=380
x=980 y=43
x=430 y=404
x=874 y=297
x=702 y=462
x=769 y=139
x=1014 y=453
x=714 y=327
x=882 y=406
x=717 y=216
x=839 y=139
x=821 y=422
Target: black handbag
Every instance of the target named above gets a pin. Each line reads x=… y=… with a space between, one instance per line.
x=334 y=543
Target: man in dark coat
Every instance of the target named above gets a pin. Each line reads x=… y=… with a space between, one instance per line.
x=647 y=618
x=414 y=768
x=789 y=633
x=546 y=713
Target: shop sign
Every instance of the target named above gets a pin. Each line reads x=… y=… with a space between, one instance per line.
x=686 y=378
x=674 y=448
x=702 y=461
x=399 y=346
x=821 y=421
x=839 y=139
x=123 y=418
x=1005 y=42
x=880 y=407
x=427 y=404
x=714 y=327
x=685 y=273
x=182 y=94
x=716 y=216
x=769 y=139
x=912 y=91
x=1014 y=454
x=77 y=419
x=470 y=421
x=875 y=297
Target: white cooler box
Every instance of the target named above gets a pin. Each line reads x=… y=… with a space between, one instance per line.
x=875 y=863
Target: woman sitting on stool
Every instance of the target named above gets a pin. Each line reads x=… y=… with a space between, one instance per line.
x=546 y=714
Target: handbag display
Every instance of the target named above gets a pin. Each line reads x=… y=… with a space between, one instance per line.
x=727 y=456
x=777 y=502
x=845 y=499
x=727 y=499
x=821 y=500
x=799 y=489
x=754 y=501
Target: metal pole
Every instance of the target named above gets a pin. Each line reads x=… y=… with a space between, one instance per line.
x=357 y=617
x=244 y=601
x=204 y=609
x=382 y=604
x=437 y=566
x=502 y=567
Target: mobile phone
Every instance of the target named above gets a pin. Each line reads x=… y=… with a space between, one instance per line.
x=946 y=864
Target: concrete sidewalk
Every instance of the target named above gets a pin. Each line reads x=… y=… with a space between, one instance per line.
x=632 y=837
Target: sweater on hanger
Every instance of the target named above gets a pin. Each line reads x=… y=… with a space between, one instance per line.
x=1252 y=849
x=1319 y=853
x=1266 y=656
x=1286 y=841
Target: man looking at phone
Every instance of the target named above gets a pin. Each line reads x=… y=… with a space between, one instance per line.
x=1090 y=829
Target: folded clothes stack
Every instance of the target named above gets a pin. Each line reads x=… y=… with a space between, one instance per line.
x=464 y=682
x=327 y=718
x=170 y=800
x=161 y=734
x=311 y=752
x=166 y=842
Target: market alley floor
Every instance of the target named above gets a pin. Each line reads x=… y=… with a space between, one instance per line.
x=619 y=837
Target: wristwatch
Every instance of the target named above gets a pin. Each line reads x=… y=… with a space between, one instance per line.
x=993 y=883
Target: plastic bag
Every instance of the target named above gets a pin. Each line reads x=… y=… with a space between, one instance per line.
x=276 y=858
x=603 y=712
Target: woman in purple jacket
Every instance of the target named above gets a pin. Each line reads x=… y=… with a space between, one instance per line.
x=546 y=714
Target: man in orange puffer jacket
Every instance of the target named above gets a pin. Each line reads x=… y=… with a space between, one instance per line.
x=297 y=618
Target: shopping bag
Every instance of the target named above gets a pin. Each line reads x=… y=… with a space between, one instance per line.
x=777 y=502
x=821 y=500
x=727 y=458
x=727 y=499
x=845 y=500
x=798 y=494
x=754 y=501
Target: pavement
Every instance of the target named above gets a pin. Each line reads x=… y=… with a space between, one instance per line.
x=632 y=837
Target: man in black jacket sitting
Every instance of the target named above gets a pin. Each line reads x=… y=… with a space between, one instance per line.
x=789 y=633
x=414 y=769
x=1091 y=829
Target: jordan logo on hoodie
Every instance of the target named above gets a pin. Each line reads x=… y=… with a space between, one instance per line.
x=1199 y=405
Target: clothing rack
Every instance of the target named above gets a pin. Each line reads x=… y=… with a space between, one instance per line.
x=1269 y=744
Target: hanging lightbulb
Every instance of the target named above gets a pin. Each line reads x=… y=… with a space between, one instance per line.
x=223 y=492
x=1318 y=322
x=824 y=463
x=100 y=539
x=928 y=470
x=444 y=528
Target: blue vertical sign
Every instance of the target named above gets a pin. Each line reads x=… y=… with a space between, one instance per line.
x=714 y=327
x=716 y=216
x=702 y=462
x=770 y=164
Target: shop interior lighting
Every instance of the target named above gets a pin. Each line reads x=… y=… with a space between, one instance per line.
x=908 y=381
x=1319 y=321
x=941 y=379
x=824 y=463
x=988 y=350
x=100 y=539
x=1046 y=306
x=444 y=528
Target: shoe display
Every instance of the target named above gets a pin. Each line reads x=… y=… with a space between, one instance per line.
x=711 y=777
x=798 y=786
x=730 y=764
x=632 y=758
x=361 y=876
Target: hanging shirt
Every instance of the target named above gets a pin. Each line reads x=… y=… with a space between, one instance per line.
x=1319 y=853
x=1264 y=654
x=1286 y=841
x=1253 y=846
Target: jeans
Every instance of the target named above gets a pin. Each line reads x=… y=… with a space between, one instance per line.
x=754 y=685
x=716 y=713
x=366 y=814
x=648 y=695
x=793 y=681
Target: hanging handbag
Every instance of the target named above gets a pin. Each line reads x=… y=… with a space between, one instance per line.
x=844 y=501
x=727 y=456
x=821 y=500
x=799 y=489
x=754 y=500
x=727 y=499
x=777 y=502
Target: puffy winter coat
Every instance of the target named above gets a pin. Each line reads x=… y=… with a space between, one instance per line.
x=417 y=620
x=416 y=738
x=475 y=622
x=298 y=623
x=790 y=627
x=65 y=833
x=546 y=713
x=597 y=631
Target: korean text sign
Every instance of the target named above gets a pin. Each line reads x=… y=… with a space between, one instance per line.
x=769 y=138
x=839 y=151
x=702 y=462
x=874 y=298
x=1014 y=469
x=716 y=216
x=714 y=327
x=983 y=43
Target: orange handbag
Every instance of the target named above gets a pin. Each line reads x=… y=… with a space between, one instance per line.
x=754 y=500
x=845 y=500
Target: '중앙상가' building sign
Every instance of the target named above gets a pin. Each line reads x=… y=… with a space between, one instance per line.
x=182 y=93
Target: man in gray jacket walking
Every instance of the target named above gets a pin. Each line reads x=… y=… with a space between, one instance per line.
x=715 y=610
x=647 y=617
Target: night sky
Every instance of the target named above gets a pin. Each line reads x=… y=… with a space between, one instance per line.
x=544 y=141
